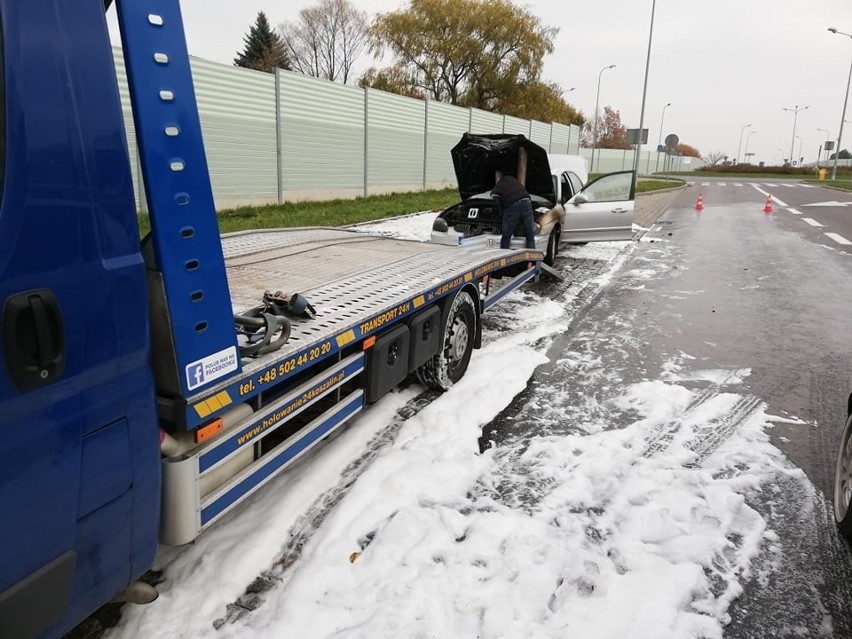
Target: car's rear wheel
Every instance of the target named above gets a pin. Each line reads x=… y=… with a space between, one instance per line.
x=552 y=247
x=449 y=365
x=843 y=482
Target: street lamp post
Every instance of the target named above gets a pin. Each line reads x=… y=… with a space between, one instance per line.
x=795 y=112
x=740 y=145
x=660 y=139
x=827 y=136
x=842 y=117
x=748 y=137
x=638 y=151
x=597 y=104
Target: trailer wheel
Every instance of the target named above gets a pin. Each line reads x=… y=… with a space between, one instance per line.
x=843 y=483
x=552 y=246
x=450 y=363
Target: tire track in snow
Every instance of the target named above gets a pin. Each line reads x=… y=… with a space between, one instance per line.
x=719 y=429
x=710 y=435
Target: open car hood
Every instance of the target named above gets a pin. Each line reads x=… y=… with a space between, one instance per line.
x=477 y=157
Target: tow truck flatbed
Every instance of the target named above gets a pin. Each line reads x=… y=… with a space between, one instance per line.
x=355 y=281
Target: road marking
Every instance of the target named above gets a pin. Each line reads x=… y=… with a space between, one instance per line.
x=723 y=184
x=737 y=184
x=705 y=184
x=835 y=203
x=792 y=186
x=811 y=221
x=807 y=186
x=838 y=238
x=774 y=199
x=794 y=211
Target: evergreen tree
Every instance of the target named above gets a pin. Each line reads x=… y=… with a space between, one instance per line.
x=264 y=50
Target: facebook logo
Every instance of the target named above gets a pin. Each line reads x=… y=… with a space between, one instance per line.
x=212 y=367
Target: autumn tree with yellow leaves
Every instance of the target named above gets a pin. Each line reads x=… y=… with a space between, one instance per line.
x=486 y=54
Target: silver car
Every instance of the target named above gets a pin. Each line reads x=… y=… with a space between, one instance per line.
x=566 y=209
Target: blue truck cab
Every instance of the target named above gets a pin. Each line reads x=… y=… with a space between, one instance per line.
x=79 y=449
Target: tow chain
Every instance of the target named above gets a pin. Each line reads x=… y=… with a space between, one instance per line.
x=265 y=327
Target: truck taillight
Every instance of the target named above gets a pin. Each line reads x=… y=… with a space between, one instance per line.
x=208 y=430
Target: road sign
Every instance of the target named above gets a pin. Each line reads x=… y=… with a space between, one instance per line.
x=633 y=136
x=672 y=141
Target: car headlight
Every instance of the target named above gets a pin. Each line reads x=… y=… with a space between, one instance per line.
x=440 y=224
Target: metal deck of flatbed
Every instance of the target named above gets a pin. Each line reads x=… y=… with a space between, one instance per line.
x=348 y=276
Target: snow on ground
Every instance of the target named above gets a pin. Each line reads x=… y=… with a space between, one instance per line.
x=620 y=510
x=417 y=226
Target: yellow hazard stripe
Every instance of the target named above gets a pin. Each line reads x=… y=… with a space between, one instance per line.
x=345 y=338
x=212 y=404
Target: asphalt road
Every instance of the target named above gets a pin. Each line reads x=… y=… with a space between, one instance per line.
x=736 y=288
x=776 y=301
x=822 y=215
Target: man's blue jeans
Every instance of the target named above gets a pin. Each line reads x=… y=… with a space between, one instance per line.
x=518 y=211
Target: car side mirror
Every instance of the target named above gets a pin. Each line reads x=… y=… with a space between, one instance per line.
x=580 y=199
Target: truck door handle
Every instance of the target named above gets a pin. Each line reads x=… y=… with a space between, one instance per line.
x=619 y=210
x=34 y=338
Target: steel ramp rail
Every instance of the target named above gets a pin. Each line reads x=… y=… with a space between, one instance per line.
x=184 y=230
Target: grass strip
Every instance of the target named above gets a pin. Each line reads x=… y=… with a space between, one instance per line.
x=349 y=211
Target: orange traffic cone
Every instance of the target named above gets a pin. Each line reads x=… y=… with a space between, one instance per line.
x=699 y=205
x=768 y=207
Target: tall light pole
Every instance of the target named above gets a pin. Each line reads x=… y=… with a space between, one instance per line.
x=827 y=136
x=597 y=104
x=748 y=137
x=842 y=117
x=638 y=151
x=660 y=139
x=740 y=145
x=795 y=112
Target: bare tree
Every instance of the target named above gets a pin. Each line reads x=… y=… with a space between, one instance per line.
x=326 y=40
x=714 y=157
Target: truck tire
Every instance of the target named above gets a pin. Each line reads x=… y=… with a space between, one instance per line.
x=552 y=247
x=450 y=363
x=843 y=483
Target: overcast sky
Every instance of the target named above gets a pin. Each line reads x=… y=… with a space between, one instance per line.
x=722 y=64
